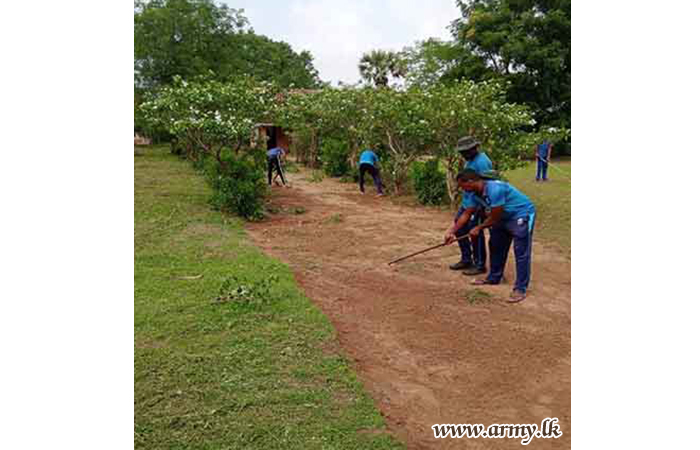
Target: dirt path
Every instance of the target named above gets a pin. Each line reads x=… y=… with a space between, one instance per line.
x=422 y=350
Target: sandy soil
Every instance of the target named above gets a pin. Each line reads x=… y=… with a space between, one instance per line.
x=423 y=351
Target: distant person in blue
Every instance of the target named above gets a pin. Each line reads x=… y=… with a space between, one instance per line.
x=274 y=161
x=473 y=260
x=511 y=217
x=543 y=152
x=369 y=162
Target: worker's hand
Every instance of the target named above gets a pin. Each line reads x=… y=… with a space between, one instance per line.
x=450 y=237
x=474 y=233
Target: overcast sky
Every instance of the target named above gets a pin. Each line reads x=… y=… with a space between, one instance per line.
x=338 y=32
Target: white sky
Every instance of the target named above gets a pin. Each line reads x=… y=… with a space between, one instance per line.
x=338 y=32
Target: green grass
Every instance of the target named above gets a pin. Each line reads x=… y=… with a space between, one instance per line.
x=478 y=296
x=552 y=200
x=209 y=374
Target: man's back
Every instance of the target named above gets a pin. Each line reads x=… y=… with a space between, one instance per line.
x=368 y=157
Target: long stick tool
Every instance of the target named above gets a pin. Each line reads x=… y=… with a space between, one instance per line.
x=427 y=250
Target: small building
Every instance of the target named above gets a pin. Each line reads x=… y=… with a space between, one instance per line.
x=275 y=135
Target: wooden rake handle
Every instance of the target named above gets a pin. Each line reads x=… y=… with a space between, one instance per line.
x=426 y=250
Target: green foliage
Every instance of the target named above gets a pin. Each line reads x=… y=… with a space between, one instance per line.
x=190 y=38
x=428 y=61
x=334 y=157
x=378 y=65
x=478 y=296
x=208 y=116
x=429 y=182
x=224 y=376
x=525 y=42
x=239 y=187
x=316 y=176
x=246 y=293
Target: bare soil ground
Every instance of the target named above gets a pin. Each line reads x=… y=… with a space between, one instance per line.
x=425 y=352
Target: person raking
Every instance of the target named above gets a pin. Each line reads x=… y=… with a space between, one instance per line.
x=274 y=162
x=510 y=217
x=369 y=162
x=473 y=254
x=543 y=152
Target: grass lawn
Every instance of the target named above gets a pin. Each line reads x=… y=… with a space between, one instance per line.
x=259 y=370
x=552 y=200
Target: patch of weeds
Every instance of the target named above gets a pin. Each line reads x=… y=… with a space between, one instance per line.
x=347 y=179
x=237 y=290
x=316 y=176
x=477 y=296
x=298 y=210
x=335 y=218
x=273 y=209
x=291 y=167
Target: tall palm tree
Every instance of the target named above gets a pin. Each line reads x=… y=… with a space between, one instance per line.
x=377 y=65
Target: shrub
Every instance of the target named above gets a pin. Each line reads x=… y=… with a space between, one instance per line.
x=239 y=186
x=429 y=182
x=335 y=157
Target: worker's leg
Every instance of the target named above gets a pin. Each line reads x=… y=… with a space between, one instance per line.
x=545 y=166
x=270 y=165
x=279 y=170
x=539 y=169
x=499 y=245
x=465 y=246
x=363 y=169
x=479 y=248
x=377 y=180
x=521 y=230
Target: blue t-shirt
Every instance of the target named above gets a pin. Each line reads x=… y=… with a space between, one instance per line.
x=368 y=157
x=480 y=164
x=543 y=149
x=274 y=152
x=499 y=193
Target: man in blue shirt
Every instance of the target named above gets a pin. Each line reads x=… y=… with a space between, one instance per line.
x=473 y=260
x=511 y=217
x=543 y=152
x=369 y=163
x=274 y=156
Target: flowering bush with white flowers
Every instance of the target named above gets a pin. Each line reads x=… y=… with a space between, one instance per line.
x=404 y=125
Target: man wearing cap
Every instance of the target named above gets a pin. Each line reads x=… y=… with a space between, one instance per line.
x=473 y=259
x=511 y=217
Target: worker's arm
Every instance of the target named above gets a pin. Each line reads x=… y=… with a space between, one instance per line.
x=492 y=219
x=549 y=152
x=450 y=234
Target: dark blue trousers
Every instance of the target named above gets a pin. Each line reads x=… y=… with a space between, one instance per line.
x=541 y=169
x=474 y=254
x=519 y=231
x=365 y=167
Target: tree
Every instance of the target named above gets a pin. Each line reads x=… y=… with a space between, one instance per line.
x=428 y=61
x=188 y=38
x=525 y=42
x=211 y=117
x=378 y=65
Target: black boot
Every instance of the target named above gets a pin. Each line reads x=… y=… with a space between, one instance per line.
x=461 y=265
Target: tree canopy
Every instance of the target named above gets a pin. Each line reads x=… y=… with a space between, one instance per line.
x=188 y=38
x=377 y=66
x=527 y=43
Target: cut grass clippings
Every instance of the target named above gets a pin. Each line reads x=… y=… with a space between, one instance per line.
x=226 y=355
x=478 y=297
